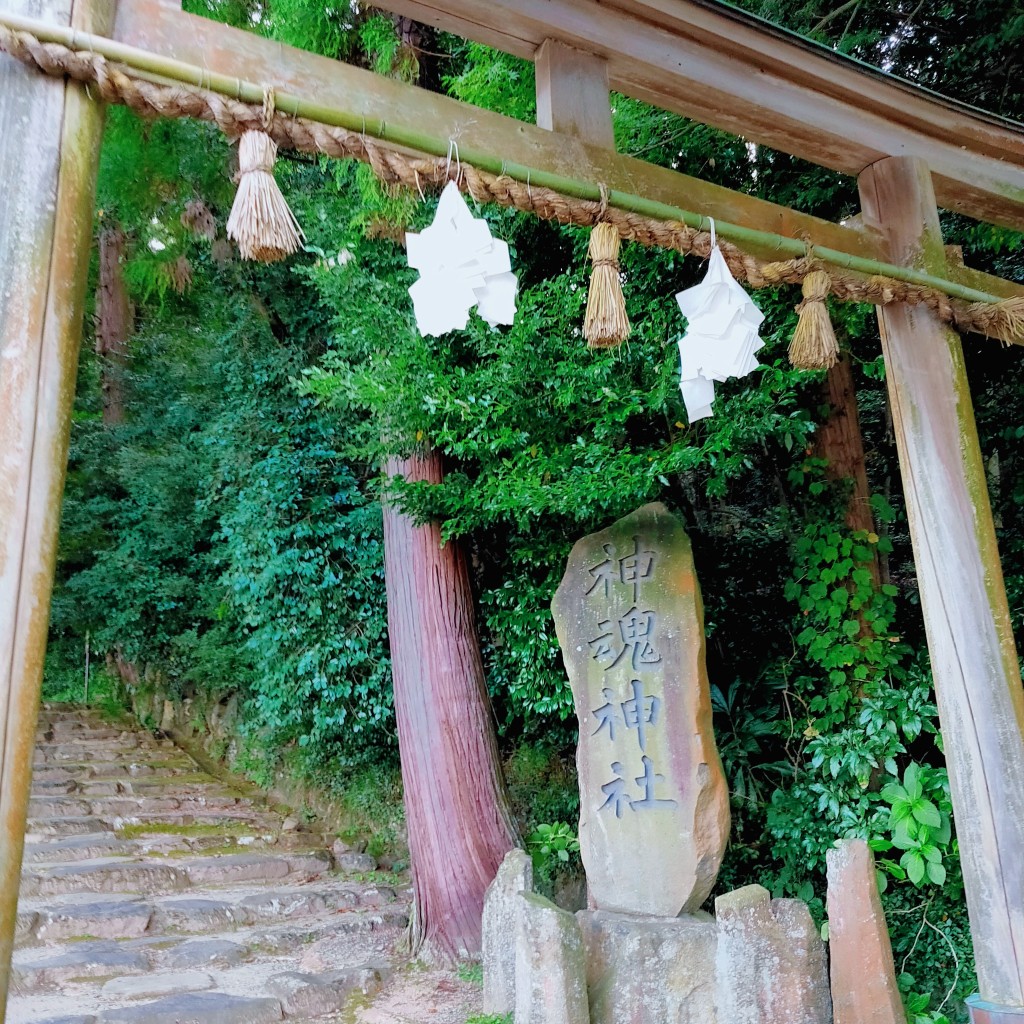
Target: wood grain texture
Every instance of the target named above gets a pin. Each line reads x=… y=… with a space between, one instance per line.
x=572 y=94
x=974 y=660
x=724 y=69
x=113 y=323
x=49 y=148
x=840 y=442
x=160 y=27
x=456 y=805
x=157 y=27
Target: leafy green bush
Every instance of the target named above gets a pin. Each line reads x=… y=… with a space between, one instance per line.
x=551 y=844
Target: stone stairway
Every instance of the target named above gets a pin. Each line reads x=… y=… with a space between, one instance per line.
x=152 y=894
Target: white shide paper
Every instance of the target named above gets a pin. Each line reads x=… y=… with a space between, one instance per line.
x=461 y=265
x=721 y=335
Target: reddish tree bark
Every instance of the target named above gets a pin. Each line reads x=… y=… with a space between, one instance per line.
x=113 y=323
x=839 y=441
x=456 y=804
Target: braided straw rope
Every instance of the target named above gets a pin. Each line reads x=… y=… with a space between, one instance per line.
x=113 y=84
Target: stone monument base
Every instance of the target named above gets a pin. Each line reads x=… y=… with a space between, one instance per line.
x=759 y=961
x=650 y=970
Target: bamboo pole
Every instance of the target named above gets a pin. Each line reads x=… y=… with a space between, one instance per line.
x=50 y=134
x=154 y=67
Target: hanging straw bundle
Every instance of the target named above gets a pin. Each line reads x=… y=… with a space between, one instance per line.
x=814 y=345
x=606 y=324
x=261 y=222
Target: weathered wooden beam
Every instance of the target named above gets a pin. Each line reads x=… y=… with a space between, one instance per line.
x=572 y=94
x=159 y=28
x=163 y=29
x=49 y=150
x=974 y=660
x=725 y=68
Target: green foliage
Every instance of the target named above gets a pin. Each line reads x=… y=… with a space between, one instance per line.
x=920 y=827
x=916 y=1004
x=471 y=971
x=552 y=843
x=64 y=683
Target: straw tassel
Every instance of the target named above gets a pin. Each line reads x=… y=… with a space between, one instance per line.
x=814 y=345
x=261 y=223
x=606 y=324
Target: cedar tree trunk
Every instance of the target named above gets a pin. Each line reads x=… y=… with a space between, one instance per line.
x=840 y=442
x=457 y=808
x=113 y=323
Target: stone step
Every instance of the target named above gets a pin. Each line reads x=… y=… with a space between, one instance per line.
x=123 y=917
x=44 y=807
x=107 y=876
x=235 y=868
x=24 y=927
x=76 y=754
x=61 y=732
x=122 y=875
x=152 y=986
x=125 y=806
x=53 y=775
x=82 y=961
x=138 y=765
x=112 y=919
x=73 y=825
x=89 y=788
x=196 y=916
x=53 y=787
x=314 y=995
x=90 y=846
x=220 y=817
x=85 y=750
x=198 y=1008
x=204 y=953
x=152 y=893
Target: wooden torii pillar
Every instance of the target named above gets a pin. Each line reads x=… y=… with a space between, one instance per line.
x=967 y=619
x=50 y=135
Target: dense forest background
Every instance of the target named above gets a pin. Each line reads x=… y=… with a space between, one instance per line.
x=222 y=524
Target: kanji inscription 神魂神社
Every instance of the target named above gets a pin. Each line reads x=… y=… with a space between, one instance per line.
x=654 y=809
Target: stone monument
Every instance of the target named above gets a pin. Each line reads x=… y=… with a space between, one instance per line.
x=864 y=987
x=500 y=926
x=654 y=821
x=654 y=806
x=771 y=966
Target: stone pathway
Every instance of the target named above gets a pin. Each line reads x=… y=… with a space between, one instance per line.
x=152 y=894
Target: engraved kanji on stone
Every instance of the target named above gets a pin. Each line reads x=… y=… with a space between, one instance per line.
x=635 y=630
x=636 y=567
x=648 y=781
x=616 y=797
x=654 y=805
x=640 y=711
x=631 y=568
x=607 y=715
x=615 y=792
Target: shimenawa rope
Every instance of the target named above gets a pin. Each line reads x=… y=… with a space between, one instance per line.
x=1003 y=319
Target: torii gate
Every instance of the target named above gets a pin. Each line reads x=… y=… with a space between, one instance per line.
x=909 y=148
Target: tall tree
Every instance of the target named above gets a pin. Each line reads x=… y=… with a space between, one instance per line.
x=457 y=807
x=113 y=322
x=840 y=443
